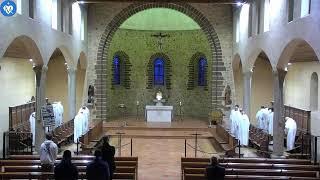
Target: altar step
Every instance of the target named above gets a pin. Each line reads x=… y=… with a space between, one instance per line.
x=198 y=129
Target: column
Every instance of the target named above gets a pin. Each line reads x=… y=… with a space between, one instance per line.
x=40 y=72
x=247 y=77
x=278 y=117
x=72 y=92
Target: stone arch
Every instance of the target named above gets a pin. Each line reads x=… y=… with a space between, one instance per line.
x=261 y=84
x=66 y=54
x=187 y=9
x=167 y=70
x=193 y=71
x=237 y=80
x=314 y=92
x=289 y=50
x=28 y=47
x=81 y=80
x=249 y=64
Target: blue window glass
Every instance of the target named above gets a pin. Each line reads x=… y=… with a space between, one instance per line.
x=158 y=66
x=202 y=71
x=116 y=73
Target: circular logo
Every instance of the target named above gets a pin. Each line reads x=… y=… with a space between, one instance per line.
x=8 y=8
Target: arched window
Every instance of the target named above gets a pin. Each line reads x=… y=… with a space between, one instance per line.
x=158 y=67
x=202 y=71
x=116 y=73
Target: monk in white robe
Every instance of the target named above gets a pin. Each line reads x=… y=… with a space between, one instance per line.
x=290 y=129
x=235 y=117
x=58 y=113
x=244 y=126
x=85 y=124
x=259 y=118
x=78 y=123
x=270 y=121
x=32 y=121
x=265 y=113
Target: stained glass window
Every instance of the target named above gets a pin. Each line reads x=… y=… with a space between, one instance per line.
x=116 y=73
x=158 y=67
x=202 y=71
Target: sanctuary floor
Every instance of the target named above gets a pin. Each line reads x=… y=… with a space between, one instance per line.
x=160 y=146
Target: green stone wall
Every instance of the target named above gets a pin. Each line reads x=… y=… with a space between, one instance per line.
x=179 y=47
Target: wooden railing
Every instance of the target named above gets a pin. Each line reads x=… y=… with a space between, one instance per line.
x=94 y=134
x=301 y=116
x=19 y=116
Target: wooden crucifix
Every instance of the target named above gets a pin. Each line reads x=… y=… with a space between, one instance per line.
x=160 y=37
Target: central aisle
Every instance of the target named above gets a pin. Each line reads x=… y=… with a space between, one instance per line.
x=159 y=159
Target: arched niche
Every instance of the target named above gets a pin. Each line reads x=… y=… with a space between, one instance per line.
x=262 y=85
x=81 y=95
x=57 y=81
x=314 y=92
x=238 y=80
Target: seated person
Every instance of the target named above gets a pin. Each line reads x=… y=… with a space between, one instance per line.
x=65 y=169
x=98 y=169
x=214 y=171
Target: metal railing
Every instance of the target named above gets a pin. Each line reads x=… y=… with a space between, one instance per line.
x=15 y=143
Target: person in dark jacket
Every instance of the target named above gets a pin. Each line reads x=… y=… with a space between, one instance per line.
x=214 y=171
x=65 y=170
x=98 y=169
x=108 y=153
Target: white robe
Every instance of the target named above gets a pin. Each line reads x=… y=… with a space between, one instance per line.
x=264 y=123
x=235 y=117
x=259 y=118
x=32 y=121
x=270 y=123
x=85 y=124
x=244 y=130
x=291 y=128
x=58 y=113
x=78 y=123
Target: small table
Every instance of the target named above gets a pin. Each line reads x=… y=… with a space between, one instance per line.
x=159 y=113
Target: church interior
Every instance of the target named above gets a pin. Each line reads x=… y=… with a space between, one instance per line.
x=171 y=83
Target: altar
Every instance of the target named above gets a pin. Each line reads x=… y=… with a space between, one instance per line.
x=159 y=113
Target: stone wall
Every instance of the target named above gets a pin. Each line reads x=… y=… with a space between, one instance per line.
x=140 y=46
x=104 y=20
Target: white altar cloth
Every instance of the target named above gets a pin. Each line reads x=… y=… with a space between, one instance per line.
x=159 y=113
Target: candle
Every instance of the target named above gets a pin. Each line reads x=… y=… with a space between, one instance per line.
x=137 y=103
x=180 y=103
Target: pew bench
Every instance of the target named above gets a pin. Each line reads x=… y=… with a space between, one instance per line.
x=245 y=177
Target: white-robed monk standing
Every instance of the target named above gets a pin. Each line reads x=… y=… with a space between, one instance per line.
x=32 y=121
x=290 y=129
x=244 y=126
x=264 y=123
x=235 y=117
x=270 y=121
x=85 y=124
x=259 y=118
x=78 y=123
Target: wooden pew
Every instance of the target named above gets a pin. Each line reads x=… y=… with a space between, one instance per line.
x=245 y=177
x=227 y=142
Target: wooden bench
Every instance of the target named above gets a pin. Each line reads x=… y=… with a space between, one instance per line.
x=245 y=177
x=126 y=166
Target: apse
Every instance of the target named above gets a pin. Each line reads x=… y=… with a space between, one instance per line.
x=171 y=40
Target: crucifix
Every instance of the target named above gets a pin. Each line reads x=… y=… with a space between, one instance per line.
x=160 y=36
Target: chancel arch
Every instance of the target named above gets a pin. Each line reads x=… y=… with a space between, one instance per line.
x=238 y=80
x=57 y=82
x=213 y=54
x=261 y=85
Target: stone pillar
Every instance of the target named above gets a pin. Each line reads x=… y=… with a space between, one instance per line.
x=278 y=117
x=247 y=77
x=72 y=92
x=40 y=72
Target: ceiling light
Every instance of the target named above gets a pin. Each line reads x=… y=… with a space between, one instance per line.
x=30 y=60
